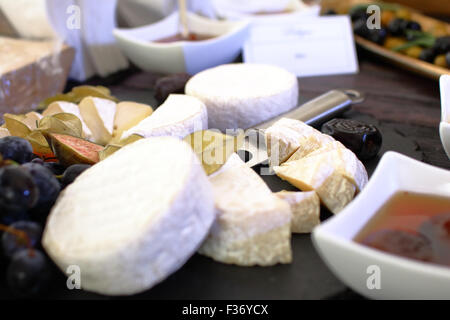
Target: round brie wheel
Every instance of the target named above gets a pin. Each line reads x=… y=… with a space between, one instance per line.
x=134 y=218
x=239 y=96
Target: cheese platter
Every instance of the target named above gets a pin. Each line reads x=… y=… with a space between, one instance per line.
x=256 y=242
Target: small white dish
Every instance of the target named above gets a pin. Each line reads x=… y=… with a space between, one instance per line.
x=444 y=127
x=182 y=56
x=354 y=263
x=294 y=9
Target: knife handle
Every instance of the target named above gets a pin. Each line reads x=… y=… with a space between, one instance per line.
x=320 y=109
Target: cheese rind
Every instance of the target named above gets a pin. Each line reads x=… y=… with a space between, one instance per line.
x=178 y=116
x=305 y=207
x=252 y=225
x=131 y=220
x=239 y=96
x=288 y=136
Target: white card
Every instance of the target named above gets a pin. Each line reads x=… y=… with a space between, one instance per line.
x=310 y=47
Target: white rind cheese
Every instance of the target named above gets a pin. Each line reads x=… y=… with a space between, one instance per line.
x=288 y=136
x=252 y=225
x=133 y=219
x=239 y=96
x=178 y=116
x=305 y=208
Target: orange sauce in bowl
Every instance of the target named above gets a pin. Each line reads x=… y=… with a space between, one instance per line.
x=190 y=37
x=415 y=226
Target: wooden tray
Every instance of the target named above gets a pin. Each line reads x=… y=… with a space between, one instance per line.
x=415 y=65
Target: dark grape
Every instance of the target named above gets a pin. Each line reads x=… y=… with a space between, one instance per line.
x=167 y=85
x=330 y=12
x=55 y=167
x=397 y=27
x=403 y=243
x=29 y=273
x=378 y=35
x=364 y=140
x=413 y=25
x=38 y=160
x=73 y=172
x=47 y=184
x=442 y=45
x=16 y=149
x=18 y=191
x=12 y=243
x=359 y=14
x=428 y=55
x=360 y=29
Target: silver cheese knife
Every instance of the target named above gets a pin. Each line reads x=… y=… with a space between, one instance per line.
x=314 y=112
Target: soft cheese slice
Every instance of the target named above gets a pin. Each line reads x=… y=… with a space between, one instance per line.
x=346 y=162
x=68 y=107
x=312 y=145
x=178 y=116
x=305 y=207
x=98 y=114
x=253 y=224
x=129 y=114
x=132 y=219
x=287 y=136
x=244 y=95
x=323 y=174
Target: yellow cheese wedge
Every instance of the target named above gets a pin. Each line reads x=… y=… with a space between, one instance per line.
x=322 y=173
x=305 y=207
x=98 y=114
x=128 y=114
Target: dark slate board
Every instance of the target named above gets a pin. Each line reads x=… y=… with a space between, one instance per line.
x=307 y=277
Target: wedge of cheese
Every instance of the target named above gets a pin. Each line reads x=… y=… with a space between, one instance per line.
x=178 y=116
x=244 y=95
x=98 y=114
x=134 y=218
x=305 y=207
x=346 y=162
x=129 y=114
x=252 y=225
x=287 y=136
x=324 y=173
x=312 y=145
x=68 y=107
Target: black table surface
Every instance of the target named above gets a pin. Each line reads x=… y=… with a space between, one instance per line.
x=404 y=106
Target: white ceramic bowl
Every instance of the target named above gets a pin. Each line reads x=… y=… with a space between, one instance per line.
x=400 y=278
x=182 y=56
x=444 y=127
x=295 y=8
